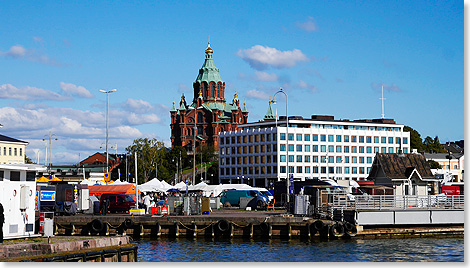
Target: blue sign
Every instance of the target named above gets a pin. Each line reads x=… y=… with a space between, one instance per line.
x=47 y=196
x=291 y=183
x=186 y=186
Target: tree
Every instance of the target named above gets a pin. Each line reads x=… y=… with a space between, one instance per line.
x=433 y=164
x=150 y=154
x=28 y=160
x=415 y=139
x=433 y=145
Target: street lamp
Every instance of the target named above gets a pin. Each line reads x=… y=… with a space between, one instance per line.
x=107 y=123
x=287 y=140
x=194 y=143
x=50 y=148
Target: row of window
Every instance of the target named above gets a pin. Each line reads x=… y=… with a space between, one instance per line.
x=267 y=159
x=340 y=149
x=248 y=138
x=325 y=159
x=263 y=148
x=344 y=138
x=12 y=151
x=248 y=160
x=239 y=171
x=15 y=175
x=267 y=148
x=327 y=126
x=327 y=170
x=310 y=137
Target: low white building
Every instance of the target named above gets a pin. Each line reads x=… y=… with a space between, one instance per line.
x=321 y=147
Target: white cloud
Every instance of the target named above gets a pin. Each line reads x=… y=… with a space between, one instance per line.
x=140 y=119
x=8 y=91
x=20 y=52
x=309 y=25
x=261 y=57
x=257 y=94
x=266 y=77
x=75 y=90
x=138 y=106
x=391 y=87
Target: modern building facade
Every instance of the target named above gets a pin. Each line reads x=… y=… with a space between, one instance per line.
x=201 y=120
x=321 y=147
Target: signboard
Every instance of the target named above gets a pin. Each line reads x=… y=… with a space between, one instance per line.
x=47 y=196
x=186 y=186
x=106 y=176
x=291 y=183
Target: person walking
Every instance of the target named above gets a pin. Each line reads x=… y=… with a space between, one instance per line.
x=147 y=199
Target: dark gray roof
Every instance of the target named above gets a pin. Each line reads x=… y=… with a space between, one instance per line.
x=400 y=167
x=8 y=139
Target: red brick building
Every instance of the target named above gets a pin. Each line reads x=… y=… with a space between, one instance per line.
x=208 y=110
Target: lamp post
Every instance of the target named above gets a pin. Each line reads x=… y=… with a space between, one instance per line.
x=287 y=140
x=194 y=143
x=50 y=148
x=107 y=123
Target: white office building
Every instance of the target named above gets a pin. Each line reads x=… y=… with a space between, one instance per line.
x=321 y=147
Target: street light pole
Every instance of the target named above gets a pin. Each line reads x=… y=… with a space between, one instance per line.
x=194 y=144
x=107 y=124
x=287 y=140
x=50 y=148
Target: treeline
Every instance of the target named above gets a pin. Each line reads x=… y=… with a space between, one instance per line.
x=429 y=145
x=155 y=160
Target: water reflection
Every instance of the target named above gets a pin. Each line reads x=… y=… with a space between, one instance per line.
x=277 y=250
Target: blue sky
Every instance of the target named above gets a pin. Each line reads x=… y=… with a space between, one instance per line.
x=331 y=57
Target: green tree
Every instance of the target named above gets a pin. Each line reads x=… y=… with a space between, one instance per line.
x=150 y=154
x=415 y=139
x=433 y=164
x=433 y=145
x=28 y=160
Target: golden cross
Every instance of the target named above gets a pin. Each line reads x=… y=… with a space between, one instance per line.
x=209 y=37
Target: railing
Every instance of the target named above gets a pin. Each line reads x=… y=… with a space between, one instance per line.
x=327 y=202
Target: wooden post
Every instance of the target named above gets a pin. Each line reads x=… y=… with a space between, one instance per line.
x=195 y=230
x=176 y=229
x=158 y=229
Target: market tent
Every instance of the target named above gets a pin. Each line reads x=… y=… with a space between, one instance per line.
x=42 y=179
x=153 y=185
x=56 y=179
x=118 y=182
x=202 y=186
x=85 y=181
x=180 y=186
x=120 y=189
x=166 y=185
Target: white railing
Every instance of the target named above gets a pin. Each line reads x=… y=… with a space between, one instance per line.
x=331 y=201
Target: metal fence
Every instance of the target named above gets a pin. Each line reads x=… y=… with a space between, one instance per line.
x=328 y=202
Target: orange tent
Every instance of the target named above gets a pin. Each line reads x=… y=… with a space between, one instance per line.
x=117 y=189
x=42 y=179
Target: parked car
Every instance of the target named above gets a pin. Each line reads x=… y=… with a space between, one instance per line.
x=117 y=202
x=232 y=197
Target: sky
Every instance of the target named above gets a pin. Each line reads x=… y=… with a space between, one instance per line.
x=330 y=57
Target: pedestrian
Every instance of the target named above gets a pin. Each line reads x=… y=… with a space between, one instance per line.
x=105 y=207
x=2 y=220
x=146 y=201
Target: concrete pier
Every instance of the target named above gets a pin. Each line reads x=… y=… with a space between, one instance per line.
x=256 y=224
x=70 y=249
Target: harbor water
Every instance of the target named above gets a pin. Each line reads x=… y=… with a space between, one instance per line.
x=356 y=250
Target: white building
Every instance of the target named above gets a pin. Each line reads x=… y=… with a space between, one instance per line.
x=320 y=147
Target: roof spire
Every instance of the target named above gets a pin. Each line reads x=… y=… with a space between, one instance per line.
x=209 y=49
x=269 y=113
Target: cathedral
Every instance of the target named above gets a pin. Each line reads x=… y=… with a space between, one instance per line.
x=208 y=113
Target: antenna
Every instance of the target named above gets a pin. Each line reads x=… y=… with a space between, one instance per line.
x=383 y=112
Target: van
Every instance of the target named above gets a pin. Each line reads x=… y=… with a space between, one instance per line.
x=232 y=197
x=117 y=202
